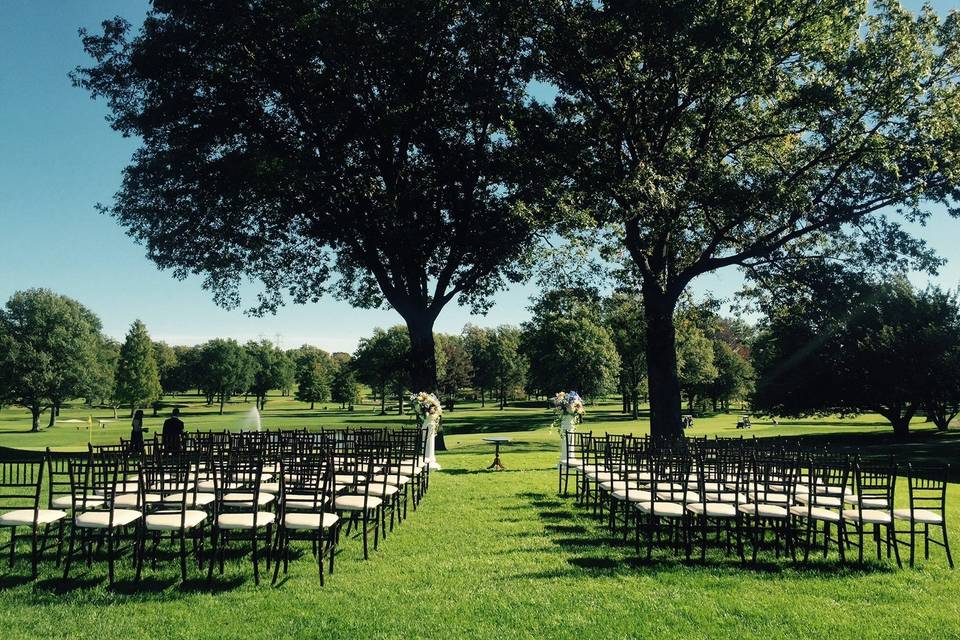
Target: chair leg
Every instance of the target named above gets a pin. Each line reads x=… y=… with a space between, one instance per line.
x=215 y=533
x=33 y=553
x=110 y=558
x=892 y=539
x=256 y=559
x=279 y=548
x=70 y=546
x=946 y=545
x=366 y=553
x=60 y=528
x=913 y=542
x=13 y=544
x=183 y=555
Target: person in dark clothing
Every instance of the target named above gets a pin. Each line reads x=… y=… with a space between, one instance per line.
x=136 y=432
x=172 y=432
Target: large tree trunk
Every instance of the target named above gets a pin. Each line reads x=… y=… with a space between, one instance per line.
x=423 y=357
x=636 y=404
x=223 y=397
x=35 y=413
x=662 y=377
x=899 y=416
x=53 y=416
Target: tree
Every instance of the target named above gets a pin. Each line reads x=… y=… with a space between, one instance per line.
x=166 y=357
x=344 y=388
x=284 y=141
x=508 y=363
x=623 y=318
x=48 y=349
x=225 y=369
x=476 y=341
x=734 y=377
x=186 y=373
x=456 y=370
x=101 y=383
x=941 y=339
x=567 y=346
x=314 y=370
x=104 y=378
x=383 y=360
x=868 y=347
x=138 y=381
x=694 y=360
x=272 y=369
x=745 y=134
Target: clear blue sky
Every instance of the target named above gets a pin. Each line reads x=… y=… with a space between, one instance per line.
x=58 y=157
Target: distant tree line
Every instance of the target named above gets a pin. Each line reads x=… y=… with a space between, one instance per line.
x=52 y=350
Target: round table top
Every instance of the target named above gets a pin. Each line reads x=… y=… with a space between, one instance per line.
x=498 y=439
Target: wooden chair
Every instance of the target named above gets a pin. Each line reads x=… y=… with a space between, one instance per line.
x=928 y=508
x=20 y=487
x=306 y=510
x=95 y=482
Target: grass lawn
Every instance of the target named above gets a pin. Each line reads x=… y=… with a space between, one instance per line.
x=495 y=554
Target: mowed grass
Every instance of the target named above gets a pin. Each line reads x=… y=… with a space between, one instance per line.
x=495 y=554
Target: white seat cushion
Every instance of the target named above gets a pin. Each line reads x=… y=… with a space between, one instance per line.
x=193 y=500
x=634 y=495
x=919 y=515
x=383 y=491
x=724 y=496
x=171 y=521
x=764 y=510
x=20 y=517
x=244 y=500
x=391 y=478
x=870 y=503
x=816 y=513
x=349 y=478
x=208 y=485
x=66 y=502
x=621 y=485
x=833 y=501
x=714 y=509
x=310 y=520
x=662 y=508
x=868 y=516
x=101 y=519
x=572 y=463
x=270 y=487
x=244 y=520
x=132 y=500
x=355 y=503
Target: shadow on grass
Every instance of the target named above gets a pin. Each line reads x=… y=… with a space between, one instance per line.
x=594 y=550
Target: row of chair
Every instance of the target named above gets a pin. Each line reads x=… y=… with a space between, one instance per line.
x=747 y=491
x=264 y=488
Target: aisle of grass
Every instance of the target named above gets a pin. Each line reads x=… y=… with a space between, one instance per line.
x=496 y=554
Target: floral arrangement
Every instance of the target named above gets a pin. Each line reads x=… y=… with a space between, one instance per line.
x=568 y=403
x=426 y=404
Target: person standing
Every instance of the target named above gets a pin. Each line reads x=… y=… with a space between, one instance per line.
x=172 y=432
x=136 y=432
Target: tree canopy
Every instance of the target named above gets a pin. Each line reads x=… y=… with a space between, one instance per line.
x=138 y=379
x=284 y=141
x=883 y=353
x=49 y=346
x=751 y=134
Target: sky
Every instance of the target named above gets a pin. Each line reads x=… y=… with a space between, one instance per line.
x=59 y=157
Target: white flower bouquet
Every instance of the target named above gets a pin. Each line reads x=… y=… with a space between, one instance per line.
x=568 y=403
x=426 y=404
